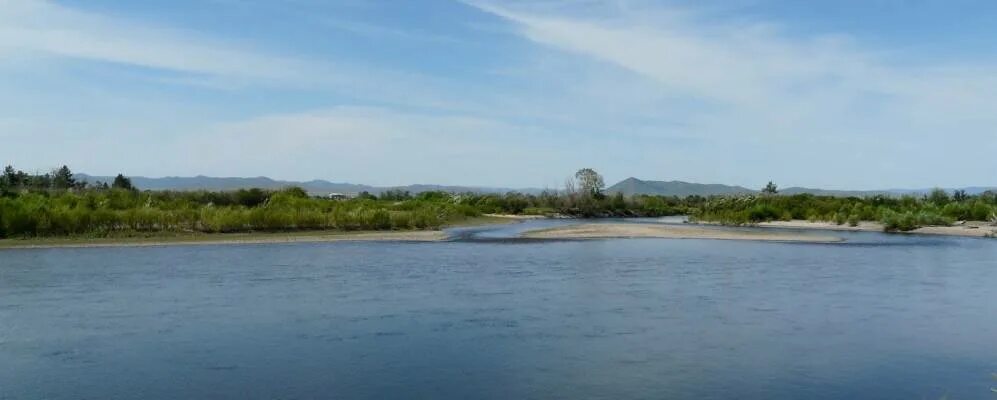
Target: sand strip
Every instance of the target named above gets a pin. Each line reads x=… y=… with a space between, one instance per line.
x=225 y=238
x=515 y=216
x=968 y=228
x=628 y=230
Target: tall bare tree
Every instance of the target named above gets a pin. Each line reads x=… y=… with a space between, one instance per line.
x=590 y=182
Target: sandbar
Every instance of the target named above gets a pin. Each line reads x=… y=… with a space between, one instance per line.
x=636 y=230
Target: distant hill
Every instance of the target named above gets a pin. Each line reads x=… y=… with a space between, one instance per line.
x=838 y=193
x=317 y=186
x=972 y=190
x=631 y=186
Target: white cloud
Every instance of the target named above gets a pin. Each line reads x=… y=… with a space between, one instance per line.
x=39 y=34
x=47 y=28
x=363 y=144
x=767 y=101
x=654 y=92
x=52 y=32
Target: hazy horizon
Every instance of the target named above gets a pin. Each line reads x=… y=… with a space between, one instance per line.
x=845 y=95
x=555 y=187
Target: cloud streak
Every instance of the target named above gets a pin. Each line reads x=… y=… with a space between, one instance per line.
x=767 y=92
x=47 y=28
x=625 y=87
x=355 y=141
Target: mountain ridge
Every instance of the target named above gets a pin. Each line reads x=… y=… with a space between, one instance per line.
x=629 y=186
x=632 y=186
x=314 y=186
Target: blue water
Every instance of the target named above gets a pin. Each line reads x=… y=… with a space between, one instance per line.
x=877 y=317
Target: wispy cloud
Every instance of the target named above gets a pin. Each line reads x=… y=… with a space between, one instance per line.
x=732 y=64
x=51 y=33
x=354 y=141
x=629 y=88
x=765 y=91
x=48 y=28
x=383 y=32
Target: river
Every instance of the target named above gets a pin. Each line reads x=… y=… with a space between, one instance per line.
x=489 y=316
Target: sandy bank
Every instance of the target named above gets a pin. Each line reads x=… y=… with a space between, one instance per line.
x=968 y=228
x=225 y=238
x=626 y=230
x=515 y=216
x=173 y=239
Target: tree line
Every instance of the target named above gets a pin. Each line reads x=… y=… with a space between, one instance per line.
x=61 y=178
x=903 y=213
x=58 y=204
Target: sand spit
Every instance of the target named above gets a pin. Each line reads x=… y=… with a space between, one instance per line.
x=516 y=216
x=967 y=228
x=223 y=238
x=633 y=230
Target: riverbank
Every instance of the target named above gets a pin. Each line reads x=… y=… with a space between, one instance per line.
x=632 y=230
x=517 y=216
x=178 y=239
x=224 y=238
x=967 y=229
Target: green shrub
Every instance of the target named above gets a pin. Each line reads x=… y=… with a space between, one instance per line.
x=853 y=220
x=380 y=220
x=401 y=220
x=981 y=211
x=894 y=221
x=840 y=218
x=931 y=218
x=762 y=213
x=425 y=219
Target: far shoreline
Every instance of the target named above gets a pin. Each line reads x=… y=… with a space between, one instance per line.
x=979 y=229
x=224 y=239
x=669 y=231
x=581 y=230
x=197 y=238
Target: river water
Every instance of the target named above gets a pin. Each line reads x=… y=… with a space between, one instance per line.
x=486 y=316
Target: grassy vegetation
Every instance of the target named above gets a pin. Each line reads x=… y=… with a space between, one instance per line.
x=106 y=212
x=98 y=212
x=903 y=213
x=56 y=205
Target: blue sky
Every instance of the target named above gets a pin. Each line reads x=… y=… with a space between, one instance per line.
x=836 y=94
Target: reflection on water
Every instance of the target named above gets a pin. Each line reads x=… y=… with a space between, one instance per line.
x=876 y=317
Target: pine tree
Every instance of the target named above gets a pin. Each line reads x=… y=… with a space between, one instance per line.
x=122 y=182
x=62 y=178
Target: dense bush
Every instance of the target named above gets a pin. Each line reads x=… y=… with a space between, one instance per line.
x=895 y=221
x=55 y=204
x=895 y=213
x=99 y=212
